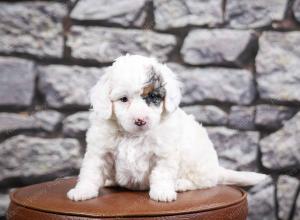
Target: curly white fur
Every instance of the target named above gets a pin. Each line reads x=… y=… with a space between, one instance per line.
x=170 y=153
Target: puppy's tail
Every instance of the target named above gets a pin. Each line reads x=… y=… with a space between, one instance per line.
x=231 y=177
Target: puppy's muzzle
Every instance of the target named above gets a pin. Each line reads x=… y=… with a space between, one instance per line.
x=140 y=122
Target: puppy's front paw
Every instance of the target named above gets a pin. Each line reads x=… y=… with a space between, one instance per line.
x=163 y=194
x=79 y=194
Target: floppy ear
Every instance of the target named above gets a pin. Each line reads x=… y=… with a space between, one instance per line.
x=99 y=97
x=172 y=86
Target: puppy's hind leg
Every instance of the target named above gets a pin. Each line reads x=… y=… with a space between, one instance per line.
x=110 y=183
x=183 y=185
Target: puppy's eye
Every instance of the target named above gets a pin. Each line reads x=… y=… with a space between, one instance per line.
x=153 y=97
x=124 y=99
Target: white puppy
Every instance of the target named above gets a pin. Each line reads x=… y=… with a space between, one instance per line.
x=140 y=139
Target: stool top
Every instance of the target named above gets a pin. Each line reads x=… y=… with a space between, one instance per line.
x=116 y=202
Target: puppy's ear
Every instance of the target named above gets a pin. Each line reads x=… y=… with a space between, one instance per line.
x=172 y=86
x=99 y=97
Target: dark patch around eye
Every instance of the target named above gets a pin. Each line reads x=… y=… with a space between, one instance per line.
x=154 y=91
x=153 y=97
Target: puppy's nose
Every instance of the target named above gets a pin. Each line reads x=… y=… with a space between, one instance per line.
x=140 y=122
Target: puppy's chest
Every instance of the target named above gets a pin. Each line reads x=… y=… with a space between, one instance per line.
x=133 y=163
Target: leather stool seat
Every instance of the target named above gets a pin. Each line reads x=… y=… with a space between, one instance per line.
x=48 y=200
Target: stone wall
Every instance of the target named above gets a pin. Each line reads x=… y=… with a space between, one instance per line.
x=239 y=61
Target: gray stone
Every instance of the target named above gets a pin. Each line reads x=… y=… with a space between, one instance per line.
x=242 y=117
x=11 y=122
x=45 y=120
x=236 y=149
x=24 y=156
x=254 y=14
x=121 y=12
x=4 y=202
x=282 y=148
x=72 y=2
x=261 y=201
x=181 y=13
x=296 y=10
x=297 y=209
x=207 y=114
x=286 y=190
x=218 y=47
x=16 y=82
x=76 y=125
x=271 y=116
x=107 y=44
x=32 y=27
x=215 y=84
x=65 y=86
x=277 y=66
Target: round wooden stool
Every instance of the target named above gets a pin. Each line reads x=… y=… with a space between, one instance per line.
x=48 y=200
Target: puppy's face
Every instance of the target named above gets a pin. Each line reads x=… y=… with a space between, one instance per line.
x=138 y=110
x=135 y=92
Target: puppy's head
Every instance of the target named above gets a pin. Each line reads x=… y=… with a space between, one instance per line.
x=136 y=91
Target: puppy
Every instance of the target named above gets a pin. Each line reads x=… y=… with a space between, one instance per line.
x=140 y=139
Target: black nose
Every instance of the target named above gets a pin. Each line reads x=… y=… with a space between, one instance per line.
x=139 y=122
